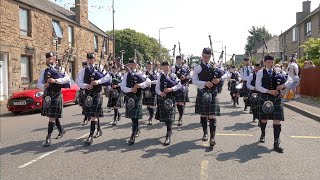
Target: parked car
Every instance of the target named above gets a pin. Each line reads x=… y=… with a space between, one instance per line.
x=31 y=97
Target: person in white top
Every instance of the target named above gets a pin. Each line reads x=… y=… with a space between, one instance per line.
x=245 y=72
x=293 y=72
x=51 y=81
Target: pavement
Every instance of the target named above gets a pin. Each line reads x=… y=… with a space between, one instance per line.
x=237 y=155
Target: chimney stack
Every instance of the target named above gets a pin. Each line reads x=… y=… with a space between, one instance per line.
x=81 y=12
x=306 y=6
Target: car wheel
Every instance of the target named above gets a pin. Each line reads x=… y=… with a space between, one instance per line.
x=76 y=101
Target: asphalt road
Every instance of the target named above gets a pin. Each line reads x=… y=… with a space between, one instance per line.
x=237 y=155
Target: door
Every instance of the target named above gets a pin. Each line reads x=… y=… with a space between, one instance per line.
x=3 y=76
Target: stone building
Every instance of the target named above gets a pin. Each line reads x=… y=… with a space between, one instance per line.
x=30 y=28
x=307 y=26
x=260 y=49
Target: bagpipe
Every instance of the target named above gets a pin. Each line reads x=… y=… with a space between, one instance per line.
x=52 y=72
x=169 y=81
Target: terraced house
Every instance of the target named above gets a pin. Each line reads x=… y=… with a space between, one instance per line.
x=30 y=28
x=307 y=26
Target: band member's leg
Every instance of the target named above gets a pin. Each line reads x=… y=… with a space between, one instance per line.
x=135 y=124
x=276 y=134
x=213 y=126
x=62 y=131
x=116 y=115
x=169 y=133
x=263 y=125
x=99 y=130
x=204 y=123
x=180 y=106
x=94 y=122
x=151 y=113
x=51 y=125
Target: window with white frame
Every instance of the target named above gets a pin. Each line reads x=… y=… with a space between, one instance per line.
x=307 y=27
x=95 y=42
x=294 y=34
x=24 y=22
x=57 y=31
x=71 y=36
x=25 y=70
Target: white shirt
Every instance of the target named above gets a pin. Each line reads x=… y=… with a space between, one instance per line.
x=80 y=79
x=125 y=89
x=259 y=82
x=66 y=79
x=174 y=88
x=293 y=71
x=243 y=72
x=249 y=86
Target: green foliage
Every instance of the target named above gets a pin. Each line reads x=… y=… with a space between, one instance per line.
x=147 y=48
x=255 y=37
x=311 y=48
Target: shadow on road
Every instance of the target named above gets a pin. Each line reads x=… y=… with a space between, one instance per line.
x=28 y=113
x=244 y=153
x=240 y=126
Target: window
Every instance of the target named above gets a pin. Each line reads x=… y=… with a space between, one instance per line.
x=25 y=70
x=294 y=34
x=71 y=36
x=57 y=31
x=106 y=46
x=319 y=20
x=24 y=21
x=95 y=42
x=307 y=27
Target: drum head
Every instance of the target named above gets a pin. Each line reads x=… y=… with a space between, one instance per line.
x=207 y=98
x=89 y=101
x=168 y=104
x=268 y=107
x=47 y=102
x=130 y=103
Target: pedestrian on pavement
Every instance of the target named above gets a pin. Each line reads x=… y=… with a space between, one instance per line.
x=269 y=84
x=168 y=88
x=92 y=80
x=132 y=84
x=51 y=80
x=206 y=77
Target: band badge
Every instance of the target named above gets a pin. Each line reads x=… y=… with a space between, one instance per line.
x=148 y=94
x=47 y=102
x=115 y=94
x=268 y=107
x=89 y=101
x=130 y=103
x=168 y=104
x=207 y=98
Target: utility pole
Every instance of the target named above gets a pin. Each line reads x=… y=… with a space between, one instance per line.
x=225 y=54
x=114 y=39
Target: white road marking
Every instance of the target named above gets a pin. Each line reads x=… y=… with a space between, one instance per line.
x=204 y=170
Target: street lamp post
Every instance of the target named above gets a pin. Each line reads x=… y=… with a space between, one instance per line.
x=160 y=41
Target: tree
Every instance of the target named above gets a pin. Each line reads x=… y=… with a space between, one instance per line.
x=147 y=47
x=255 y=37
x=311 y=49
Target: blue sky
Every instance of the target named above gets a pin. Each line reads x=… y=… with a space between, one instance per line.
x=227 y=21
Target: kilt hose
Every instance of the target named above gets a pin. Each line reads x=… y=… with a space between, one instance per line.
x=96 y=109
x=152 y=101
x=277 y=114
x=56 y=107
x=116 y=102
x=205 y=108
x=163 y=114
x=136 y=111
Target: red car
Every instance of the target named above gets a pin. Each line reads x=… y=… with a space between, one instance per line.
x=31 y=98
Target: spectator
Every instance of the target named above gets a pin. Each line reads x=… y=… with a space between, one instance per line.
x=311 y=65
x=306 y=65
x=285 y=67
x=293 y=72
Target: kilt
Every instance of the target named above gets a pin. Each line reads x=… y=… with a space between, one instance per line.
x=116 y=102
x=162 y=114
x=244 y=91
x=82 y=97
x=233 y=88
x=56 y=107
x=277 y=114
x=96 y=109
x=254 y=103
x=149 y=101
x=136 y=112
x=182 y=97
x=206 y=108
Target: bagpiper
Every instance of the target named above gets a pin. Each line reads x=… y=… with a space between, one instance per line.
x=233 y=82
x=245 y=72
x=132 y=85
x=51 y=80
x=207 y=78
x=115 y=96
x=91 y=80
x=168 y=88
x=183 y=73
x=149 y=93
x=270 y=107
x=82 y=98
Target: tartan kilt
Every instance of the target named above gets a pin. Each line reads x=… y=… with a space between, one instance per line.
x=152 y=101
x=82 y=97
x=233 y=88
x=244 y=91
x=182 y=97
x=277 y=114
x=96 y=109
x=116 y=102
x=56 y=107
x=209 y=108
x=162 y=114
x=136 y=112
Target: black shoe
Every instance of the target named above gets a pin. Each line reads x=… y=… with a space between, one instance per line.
x=168 y=139
x=250 y=111
x=85 y=122
x=277 y=147
x=205 y=137
x=150 y=121
x=262 y=138
x=119 y=117
x=47 y=142
x=179 y=123
x=132 y=139
x=60 y=135
x=212 y=142
x=138 y=133
x=88 y=142
x=114 y=121
x=99 y=133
